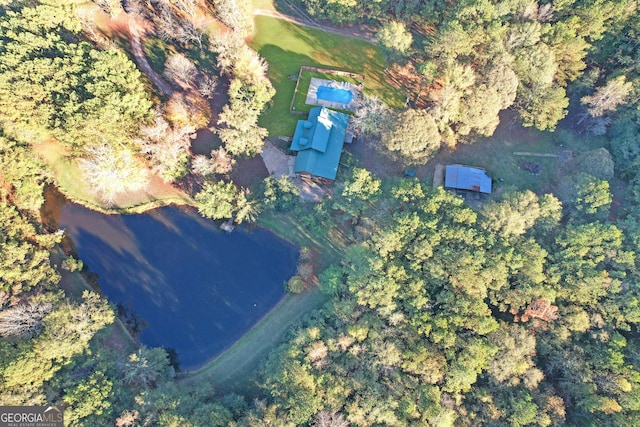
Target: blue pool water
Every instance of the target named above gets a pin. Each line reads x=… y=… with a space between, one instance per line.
x=333 y=94
x=198 y=289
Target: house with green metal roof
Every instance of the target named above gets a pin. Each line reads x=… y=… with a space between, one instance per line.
x=318 y=141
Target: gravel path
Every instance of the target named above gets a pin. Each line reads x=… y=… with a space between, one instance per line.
x=135 y=38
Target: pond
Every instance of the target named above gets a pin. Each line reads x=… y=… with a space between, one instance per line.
x=196 y=288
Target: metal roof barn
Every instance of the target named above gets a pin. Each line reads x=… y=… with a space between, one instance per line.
x=468 y=178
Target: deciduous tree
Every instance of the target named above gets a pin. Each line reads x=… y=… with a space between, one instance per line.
x=24 y=254
x=512 y=216
x=111 y=170
x=236 y=14
x=372 y=116
x=181 y=70
x=147 y=367
x=607 y=98
x=24 y=320
x=394 y=38
x=413 y=136
x=542 y=107
x=167 y=148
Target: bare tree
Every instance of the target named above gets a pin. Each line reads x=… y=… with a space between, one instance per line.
x=372 y=116
x=317 y=353
x=540 y=13
x=540 y=309
x=202 y=165
x=23 y=320
x=87 y=19
x=181 y=70
x=219 y=163
x=607 y=98
x=207 y=85
x=173 y=26
x=227 y=47
x=188 y=32
x=112 y=7
x=4 y=298
x=136 y=7
x=128 y=419
x=111 y=170
x=330 y=419
x=167 y=148
x=222 y=161
x=190 y=7
x=236 y=14
x=166 y=22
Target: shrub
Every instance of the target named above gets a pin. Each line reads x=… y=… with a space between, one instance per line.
x=72 y=264
x=295 y=285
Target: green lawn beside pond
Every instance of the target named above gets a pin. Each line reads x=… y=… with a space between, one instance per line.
x=287 y=46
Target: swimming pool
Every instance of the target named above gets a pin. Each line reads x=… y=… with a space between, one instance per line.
x=333 y=94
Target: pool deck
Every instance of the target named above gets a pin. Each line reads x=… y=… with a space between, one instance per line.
x=312 y=94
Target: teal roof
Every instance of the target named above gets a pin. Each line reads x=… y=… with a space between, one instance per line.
x=318 y=141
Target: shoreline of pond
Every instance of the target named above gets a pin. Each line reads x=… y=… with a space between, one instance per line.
x=228 y=370
x=259 y=238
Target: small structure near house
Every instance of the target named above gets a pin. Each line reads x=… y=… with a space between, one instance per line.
x=318 y=141
x=459 y=177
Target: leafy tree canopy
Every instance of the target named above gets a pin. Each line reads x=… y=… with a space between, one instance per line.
x=413 y=136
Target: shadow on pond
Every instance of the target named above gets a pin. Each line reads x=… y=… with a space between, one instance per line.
x=196 y=289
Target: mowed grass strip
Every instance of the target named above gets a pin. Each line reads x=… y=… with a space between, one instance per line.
x=287 y=46
x=236 y=369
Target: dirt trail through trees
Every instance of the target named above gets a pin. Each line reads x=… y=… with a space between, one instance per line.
x=136 y=31
x=360 y=32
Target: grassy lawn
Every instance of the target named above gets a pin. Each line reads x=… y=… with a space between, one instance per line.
x=156 y=50
x=71 y=183
x=287 y=46
x=299 y=103
x=263 y=4
x=496 y=155
x=331 y=246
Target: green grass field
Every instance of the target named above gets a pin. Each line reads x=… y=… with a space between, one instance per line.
x=331 y=245
x=496 y=155
x=287 y=46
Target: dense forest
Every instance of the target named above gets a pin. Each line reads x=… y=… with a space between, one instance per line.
x=520 y=310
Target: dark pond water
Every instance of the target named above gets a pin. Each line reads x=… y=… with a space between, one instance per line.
x=198 y=289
